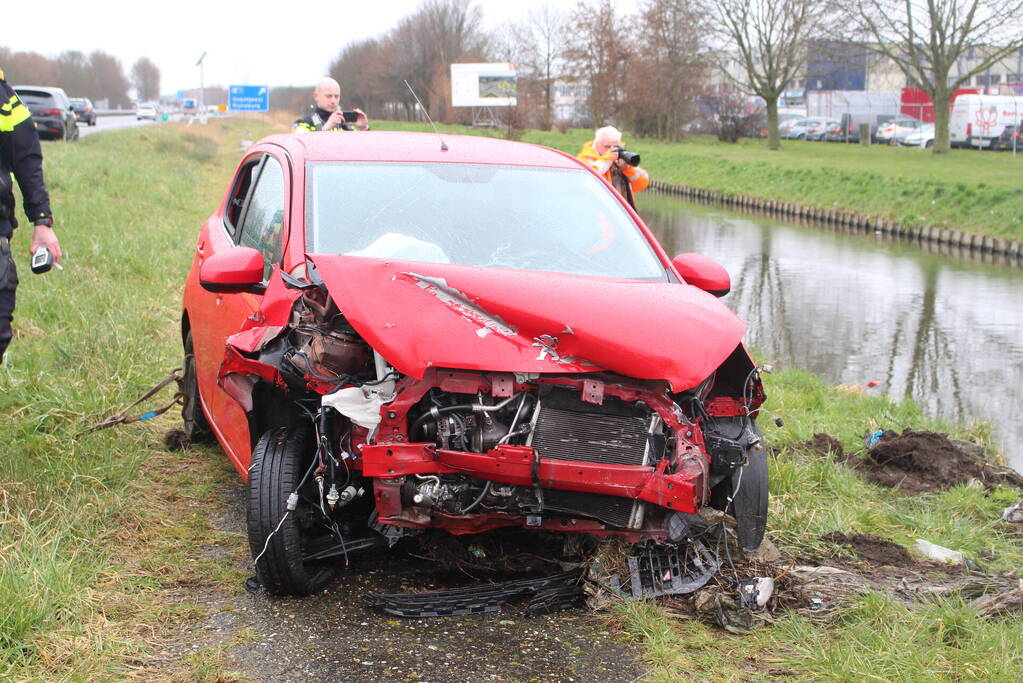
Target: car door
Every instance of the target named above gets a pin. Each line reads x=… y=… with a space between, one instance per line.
x=255 y=216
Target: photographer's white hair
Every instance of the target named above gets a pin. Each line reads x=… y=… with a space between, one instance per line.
x=608 y=133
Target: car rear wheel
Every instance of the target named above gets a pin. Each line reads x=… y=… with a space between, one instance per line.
x=197 y=429
x=282 y=534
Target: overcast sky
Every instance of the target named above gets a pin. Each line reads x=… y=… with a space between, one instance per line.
x=247 y=43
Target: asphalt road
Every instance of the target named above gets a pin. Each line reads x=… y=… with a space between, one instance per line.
x=104 y=123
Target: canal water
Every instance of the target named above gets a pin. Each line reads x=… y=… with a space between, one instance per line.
x=856 y=308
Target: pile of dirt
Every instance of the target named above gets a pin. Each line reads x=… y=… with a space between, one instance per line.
x=822 y=444
x=917 y=461
x=872 y=548
x=923 y=461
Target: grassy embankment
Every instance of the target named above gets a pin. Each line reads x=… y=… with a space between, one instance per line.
x=108 y=543
x=979 y=192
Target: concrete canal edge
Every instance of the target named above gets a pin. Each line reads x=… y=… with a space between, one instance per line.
x=1009 y=250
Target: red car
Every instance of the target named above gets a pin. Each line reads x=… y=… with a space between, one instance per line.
x=389 y=332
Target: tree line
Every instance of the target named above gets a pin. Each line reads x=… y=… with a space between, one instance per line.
x=97 y=75
x=673 y=63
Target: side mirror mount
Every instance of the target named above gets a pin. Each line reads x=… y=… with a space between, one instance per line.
x=234 y=271
x=703 y=272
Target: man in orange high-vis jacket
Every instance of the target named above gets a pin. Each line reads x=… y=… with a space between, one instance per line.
x=601 y=153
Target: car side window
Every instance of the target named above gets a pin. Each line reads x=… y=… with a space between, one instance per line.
x=263 y=221
x=240 y=194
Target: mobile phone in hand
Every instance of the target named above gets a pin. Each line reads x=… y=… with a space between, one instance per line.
x=350 y=116
x=42 y=260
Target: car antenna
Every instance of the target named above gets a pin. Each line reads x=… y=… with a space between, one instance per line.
x=443 y=147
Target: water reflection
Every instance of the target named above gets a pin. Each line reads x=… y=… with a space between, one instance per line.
x=854 y=309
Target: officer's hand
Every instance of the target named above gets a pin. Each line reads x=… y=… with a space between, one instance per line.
x=362 y=123
x=44 y=236
x=336 y=118
x=612 y=153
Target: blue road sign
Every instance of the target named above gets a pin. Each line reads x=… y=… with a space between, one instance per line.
x=248 y=98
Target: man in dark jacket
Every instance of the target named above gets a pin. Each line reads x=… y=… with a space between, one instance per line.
x=21 y=156
x=326 y=114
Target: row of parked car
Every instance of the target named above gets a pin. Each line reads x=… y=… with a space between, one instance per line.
x=903 y=130
x=899 y=131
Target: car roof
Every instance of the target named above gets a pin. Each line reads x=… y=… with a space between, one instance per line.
x=408 y=146
x=41 y=88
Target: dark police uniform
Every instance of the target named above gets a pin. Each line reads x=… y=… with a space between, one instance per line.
x=21 y=155
x=315 y=119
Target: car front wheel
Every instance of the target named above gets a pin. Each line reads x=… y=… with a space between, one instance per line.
x=285 y=524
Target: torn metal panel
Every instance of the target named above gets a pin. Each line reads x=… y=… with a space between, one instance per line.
x=461 y=304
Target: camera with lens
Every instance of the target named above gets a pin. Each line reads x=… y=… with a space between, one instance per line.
x=631 y=158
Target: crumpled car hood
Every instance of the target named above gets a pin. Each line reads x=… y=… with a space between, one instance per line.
x=420 y=315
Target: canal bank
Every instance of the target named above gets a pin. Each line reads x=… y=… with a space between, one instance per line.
x=1011 y=251
x=880 y=316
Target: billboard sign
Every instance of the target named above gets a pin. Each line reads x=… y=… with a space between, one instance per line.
x=248 y=98
x=490 y=84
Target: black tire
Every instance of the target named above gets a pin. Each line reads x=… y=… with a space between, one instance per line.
x=279 y=462
x=749 y=507
x=196 y=428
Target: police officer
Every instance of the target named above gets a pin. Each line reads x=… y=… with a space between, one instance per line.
x=21 y=156
x=326 y=114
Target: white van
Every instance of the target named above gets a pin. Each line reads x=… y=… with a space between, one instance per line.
x=977 y=120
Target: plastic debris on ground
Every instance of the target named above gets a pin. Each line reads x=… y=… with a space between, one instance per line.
x=938 y=553
x=1013 y=513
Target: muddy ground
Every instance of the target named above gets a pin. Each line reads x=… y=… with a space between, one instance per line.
x=917 y=461
x=334 y=636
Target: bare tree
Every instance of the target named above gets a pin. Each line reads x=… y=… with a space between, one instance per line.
x=668 y=73
x=73 y=68
x=536 y=46
x=598 y=52
x=107 y=79
x=419 y=49
x=929 y=40
x=145 y=76
x=769 y=39
x=30 y=68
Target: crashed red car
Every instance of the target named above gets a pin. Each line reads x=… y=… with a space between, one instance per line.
x=390 y=332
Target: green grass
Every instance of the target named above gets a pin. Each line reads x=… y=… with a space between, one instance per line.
x=102 y=536
x=875 y=637
x=93 y=527
x=979 y=192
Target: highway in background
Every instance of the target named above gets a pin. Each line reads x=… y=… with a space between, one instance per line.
x=112 y=122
